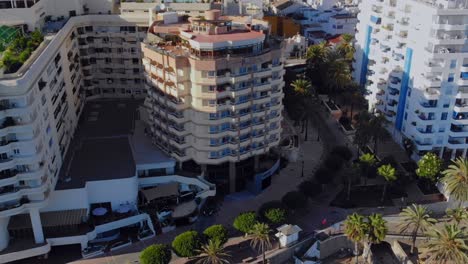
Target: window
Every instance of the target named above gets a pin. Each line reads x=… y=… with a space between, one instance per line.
x=444 y=116
x=211 y=73
x=213 y=142
x=242 y=70
x=451 y=77
x=453 y=64
x=16 y=151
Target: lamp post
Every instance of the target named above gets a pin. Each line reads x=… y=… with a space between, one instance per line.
x=302 y=170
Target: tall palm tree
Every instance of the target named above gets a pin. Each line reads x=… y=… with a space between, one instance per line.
x=304 y=88
x=316 y=55
x=448 y=245
x=355 y=230
x=346 y=47
x=389 y=174
x=363 y=133
x=338 y=73
x=366 y=161
x=260 y=238
x=456 y=180
x=415 y=218
x=355 y=97
x=377 y=129
x=375 y=232
x=457 y=215
x=213 y=253
x=351 y=175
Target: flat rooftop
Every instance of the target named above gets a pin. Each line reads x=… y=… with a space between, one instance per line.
x=144 y=152
x=101 y=147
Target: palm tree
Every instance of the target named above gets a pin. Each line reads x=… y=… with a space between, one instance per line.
x=346 y=47
x=456 y=180
x=377 y=129
x=316 y=55
x=457 y=215
x=415 y=218
x=375 y=232
x=304 y=88
x=366 y=160
x=355 y=97
x=448 y=245
x=355 y=230
x=389 y=174
x=213 y=253
x=363 y=133
x=260 y=238
x=338 y=73
x=351 y=175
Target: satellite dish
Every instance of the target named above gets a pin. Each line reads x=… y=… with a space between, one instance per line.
x=163 y=6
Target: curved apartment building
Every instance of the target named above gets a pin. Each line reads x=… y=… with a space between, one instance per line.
x=214 y=92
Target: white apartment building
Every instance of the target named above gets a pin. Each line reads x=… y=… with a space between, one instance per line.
x=215 y=94
x=412 y=55
x=43 y=189
x=319 y=24
x=143 y=12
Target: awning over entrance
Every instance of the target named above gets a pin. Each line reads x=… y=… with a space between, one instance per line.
x=49 y=219
x=161 y=191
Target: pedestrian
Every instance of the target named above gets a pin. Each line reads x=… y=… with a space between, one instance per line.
x=324 y=222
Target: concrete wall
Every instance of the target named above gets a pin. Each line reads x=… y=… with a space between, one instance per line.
x=67 y=200
x=332 y=245
x=116 y=191
x=400 y=253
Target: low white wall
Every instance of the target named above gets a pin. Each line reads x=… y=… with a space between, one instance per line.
x=116 y=191
x=10 y=257
x=67 y=200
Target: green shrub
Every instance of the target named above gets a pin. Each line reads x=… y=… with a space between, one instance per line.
x=269 y=205
x=294 y=200
x=24 y=55
x=186 y=244
x=276 y=215
x=218 y=232
x=156 y=254
x=310 y=188
x=245 y=221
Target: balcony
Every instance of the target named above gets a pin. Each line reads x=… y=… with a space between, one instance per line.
x=429 y=104
x=425 y=117
x=431 y=93
x=461 y=105
x=425 y=131
x=423 y=145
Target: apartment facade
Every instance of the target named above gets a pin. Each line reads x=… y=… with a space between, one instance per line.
x=412 y=57
x=214 y=93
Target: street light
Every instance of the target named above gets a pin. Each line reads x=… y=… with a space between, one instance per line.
x=302 y=170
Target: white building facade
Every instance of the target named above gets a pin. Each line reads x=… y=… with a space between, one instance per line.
x=83 y=57
x=412 y=56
